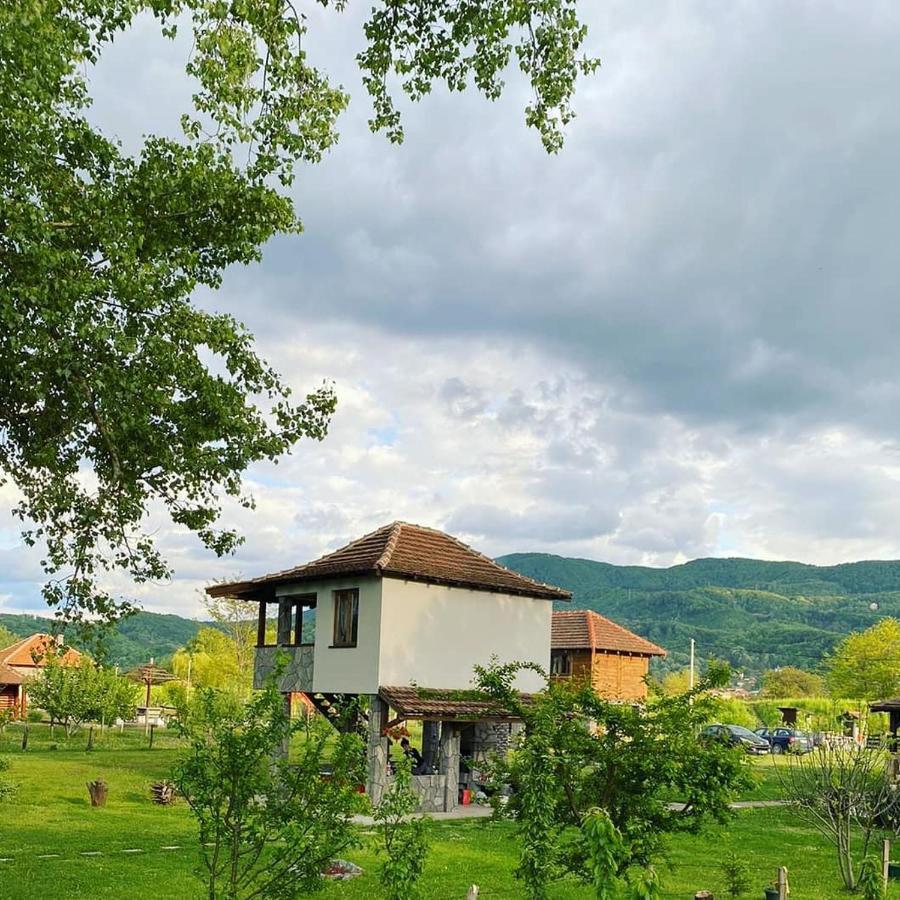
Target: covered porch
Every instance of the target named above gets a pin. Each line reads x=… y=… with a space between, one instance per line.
x=459 y=730
x=279 y=630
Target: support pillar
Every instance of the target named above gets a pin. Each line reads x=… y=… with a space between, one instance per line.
x=377 y=750
x=450 y=764
x=431 y=739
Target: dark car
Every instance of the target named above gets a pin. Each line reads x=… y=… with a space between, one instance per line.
x=786 y=740
x=736 y=736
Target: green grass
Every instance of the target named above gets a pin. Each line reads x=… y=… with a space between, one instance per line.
x=51 y=814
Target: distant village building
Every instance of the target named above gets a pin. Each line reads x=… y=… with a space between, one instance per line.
x=586 y=645
x=21 y=661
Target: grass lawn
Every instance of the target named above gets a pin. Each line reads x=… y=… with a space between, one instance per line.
x=51 y=814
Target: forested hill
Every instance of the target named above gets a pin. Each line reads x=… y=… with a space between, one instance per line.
x=754 y=613
x=135 y=639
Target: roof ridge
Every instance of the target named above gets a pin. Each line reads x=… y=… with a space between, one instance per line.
x=12 y=648
x=390 y=546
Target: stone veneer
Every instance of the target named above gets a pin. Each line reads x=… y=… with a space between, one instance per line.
x=298 y=674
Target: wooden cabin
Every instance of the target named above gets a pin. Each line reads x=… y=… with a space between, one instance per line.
x=584 y=644
x=23 y=660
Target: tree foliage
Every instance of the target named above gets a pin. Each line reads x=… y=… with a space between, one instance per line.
x=404 y=837
x=866 y=664
x=7 y=637
x=118 y=394
x=213 y=660
x=790 y=681
x=580 y=752
x=71 y=695
x=267 y=827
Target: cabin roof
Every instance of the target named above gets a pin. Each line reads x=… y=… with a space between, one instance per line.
x=583 y=629
x=10 y=676
x=30 y=652
x=412 y=702
x=401 y=550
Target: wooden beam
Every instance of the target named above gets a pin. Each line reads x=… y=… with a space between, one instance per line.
x=261 y=625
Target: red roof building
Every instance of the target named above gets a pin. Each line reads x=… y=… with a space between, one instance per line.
x=22 y=660
x=584 y=644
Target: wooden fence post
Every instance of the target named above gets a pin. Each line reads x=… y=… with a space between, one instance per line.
x=152 y=728
x=782 y=883
x=885 y=860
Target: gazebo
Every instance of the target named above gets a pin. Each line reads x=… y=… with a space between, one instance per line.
x=149 y=675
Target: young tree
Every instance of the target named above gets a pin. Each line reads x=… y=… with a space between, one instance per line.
x=404 y=837
x=71 y=695
x=580 y=752
x=866 y=664
x=238 y=620
x=267 y=827
x=846 y=794
x=790 y=681
x=107 y=366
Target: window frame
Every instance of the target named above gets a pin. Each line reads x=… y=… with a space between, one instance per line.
x=339 y=599
x=565 y=659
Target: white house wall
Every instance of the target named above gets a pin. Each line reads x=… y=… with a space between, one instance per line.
x=434 y=635
x=348 y=670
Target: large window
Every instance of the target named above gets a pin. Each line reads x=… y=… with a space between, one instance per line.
x=287 y=629
x=346 y=617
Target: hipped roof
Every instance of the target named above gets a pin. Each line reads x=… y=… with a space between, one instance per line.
x=583 y=629
x=32 y=651
x=401 y=550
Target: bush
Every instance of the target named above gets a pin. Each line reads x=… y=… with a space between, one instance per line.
x=7 y=787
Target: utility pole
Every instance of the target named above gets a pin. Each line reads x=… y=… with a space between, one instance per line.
x=692 y=664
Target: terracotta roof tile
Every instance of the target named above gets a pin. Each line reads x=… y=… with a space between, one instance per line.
x=30 y=652
x=10 y=676
x=402 y=550
x=448 y=705
x=580 y=629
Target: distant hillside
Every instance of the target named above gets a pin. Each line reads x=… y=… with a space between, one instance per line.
x=754 y=613
x=134 y=641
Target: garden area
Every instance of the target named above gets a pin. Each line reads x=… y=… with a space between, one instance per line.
x=53 y=843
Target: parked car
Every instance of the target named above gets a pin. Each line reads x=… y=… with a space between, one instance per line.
x=786 y=740
x=736 y=736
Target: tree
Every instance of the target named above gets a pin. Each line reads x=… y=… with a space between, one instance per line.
x=675 y=683
x=404 y=837
x=212 y=660
x=107 y=367
x=7 y=637
x=845 y=793
x=267 y=828
x=580 y=752
x=71 y=695
x=866 y=664
x=233 y=616
x=791 y=682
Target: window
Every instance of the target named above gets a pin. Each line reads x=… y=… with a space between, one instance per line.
x=560 y=663
x=287 y=629
x=346 y=617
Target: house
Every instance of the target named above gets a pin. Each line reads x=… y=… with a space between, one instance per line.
x=21 y=661
x=402 y=616
x=586 y=645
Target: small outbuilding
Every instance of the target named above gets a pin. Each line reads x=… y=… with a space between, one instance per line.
x=584 y=644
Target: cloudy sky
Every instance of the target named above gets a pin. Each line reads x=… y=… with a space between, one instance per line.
x=678 y=338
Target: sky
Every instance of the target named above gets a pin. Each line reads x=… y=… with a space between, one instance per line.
x=677 y=338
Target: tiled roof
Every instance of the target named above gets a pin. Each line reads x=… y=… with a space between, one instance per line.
x=10 y=676
x=401 y=550
x=583 y=629
x=30 y=652
x=448 y=705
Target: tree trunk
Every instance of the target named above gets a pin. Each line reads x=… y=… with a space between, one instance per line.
x=98 y=790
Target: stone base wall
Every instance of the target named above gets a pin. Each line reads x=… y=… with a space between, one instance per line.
x=431 y=791
x=298 y=674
